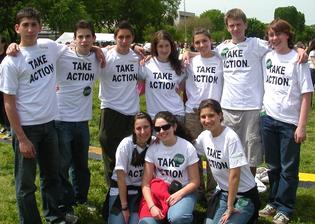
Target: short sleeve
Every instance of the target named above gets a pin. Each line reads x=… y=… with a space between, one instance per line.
x=122 y=153
x=237 y=156
x=198 y=144
x=192 y=154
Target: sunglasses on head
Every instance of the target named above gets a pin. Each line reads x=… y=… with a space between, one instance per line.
x=165 y=127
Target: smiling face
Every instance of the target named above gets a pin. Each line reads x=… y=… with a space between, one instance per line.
x=202 y=44
x=142 y=129
x=211 y=120
x=163 y=48
x=278 y=41
x=28 y=29
x=165 y=132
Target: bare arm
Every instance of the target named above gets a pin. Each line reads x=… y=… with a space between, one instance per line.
x=300 y=132
x=26 y=147
x=146 y=191
x=194 y=181
x=234 y=178
x=123 y=193
x=99 y=55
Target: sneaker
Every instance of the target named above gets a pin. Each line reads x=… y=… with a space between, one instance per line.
x=71 y=219
x=268 y=210
x=280 y=218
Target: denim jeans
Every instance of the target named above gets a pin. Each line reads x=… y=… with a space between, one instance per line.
x=44 y=138
x=244 y=206
x=74 y=140
x=119 y=219
x=282 y=158
x=180 y=213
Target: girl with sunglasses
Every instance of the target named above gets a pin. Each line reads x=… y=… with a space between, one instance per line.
x=237 y=201
x=125 y=190
x=163 y=76
x=174 y=160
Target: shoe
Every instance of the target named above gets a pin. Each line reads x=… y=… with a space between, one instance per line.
x=262 y=174
x=261 y=187
x=71 y=219
x=280 y=218
x=3 y=130
x=267 y=211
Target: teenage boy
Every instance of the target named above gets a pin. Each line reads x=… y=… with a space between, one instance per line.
x=118 y=94
x=28 y=84
x=77 y=71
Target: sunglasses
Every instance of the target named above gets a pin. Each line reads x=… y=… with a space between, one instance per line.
x=164 y=127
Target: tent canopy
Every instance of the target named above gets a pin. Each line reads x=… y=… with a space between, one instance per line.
x=100 y=37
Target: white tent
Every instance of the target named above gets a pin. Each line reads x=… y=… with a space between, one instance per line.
x=100 y=37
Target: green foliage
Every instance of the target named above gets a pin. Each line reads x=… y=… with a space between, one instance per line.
x=291 y=15
x=216 y=17
x=255 y=28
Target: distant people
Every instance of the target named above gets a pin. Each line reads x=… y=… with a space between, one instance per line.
x=125 y=188
x=311 y=53
x=163 y=75
x=118 y=94
x=288 y=90
x=237 y=201
x=171 y=161
x=300 y=44
x=28 y=84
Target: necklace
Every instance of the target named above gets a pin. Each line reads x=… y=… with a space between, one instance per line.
x=81 y=55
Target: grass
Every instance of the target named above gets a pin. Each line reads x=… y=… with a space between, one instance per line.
x=305 y=198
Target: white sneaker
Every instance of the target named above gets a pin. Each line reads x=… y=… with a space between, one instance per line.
x=71 y=218
x=280 y=218
x=261 y=187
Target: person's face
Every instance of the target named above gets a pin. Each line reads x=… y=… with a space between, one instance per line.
x=142 y=129
x=209 y=119
x=124 y=39
x=164 y=130
x=278 y=40
x=163 y=48
x=202 y=44
x=236 y=28
x=84 y=40
x=28 y=29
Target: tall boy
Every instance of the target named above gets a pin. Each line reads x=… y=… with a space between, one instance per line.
x=28 y=84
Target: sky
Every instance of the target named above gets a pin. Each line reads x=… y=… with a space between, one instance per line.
x=262 y=10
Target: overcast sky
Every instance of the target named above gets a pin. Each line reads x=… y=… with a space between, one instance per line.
x=262 y=10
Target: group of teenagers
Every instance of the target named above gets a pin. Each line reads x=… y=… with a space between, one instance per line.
x=246 y=94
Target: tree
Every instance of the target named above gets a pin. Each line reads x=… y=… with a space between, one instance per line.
x=216 y=17
x=255 y=28
x=291 y=15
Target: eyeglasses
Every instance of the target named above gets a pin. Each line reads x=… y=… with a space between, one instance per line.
x=165 y=127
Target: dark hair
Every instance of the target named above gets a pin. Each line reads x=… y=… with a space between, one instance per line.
x=141 y=115
x=235 y=14
x=29 y=13
x=210 y=103
x=84 y=24
x=124 y=25
x=181 y=131
x=282 y=26
x=311 y=46
x=201 y=31
x=173 y=57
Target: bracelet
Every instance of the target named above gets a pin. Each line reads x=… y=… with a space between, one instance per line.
x=151 y=208
x=125 y=208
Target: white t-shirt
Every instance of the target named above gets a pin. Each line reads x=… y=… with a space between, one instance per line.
x=285 y=81
x=31 y=77
x=311 y=55
x=225 y=152
x=204 y=81
x=171 y=162
x=123 y=162
x=118 y=82
x=161 y=84
x=76 y=76
x=242 y=72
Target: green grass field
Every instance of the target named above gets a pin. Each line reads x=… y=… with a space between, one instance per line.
x=305 y=207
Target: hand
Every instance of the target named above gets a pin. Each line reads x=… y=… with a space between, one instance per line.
x=227 y=214
x=139 y=50
x=300 y=135
x=27 y=149
x=126 y=215
x=13 y=49
x=174 y=198
x=302 y=56
x=156 y=213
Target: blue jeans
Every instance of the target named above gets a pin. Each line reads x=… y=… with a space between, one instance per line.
x=244 y=206
x=44 y=138
x=119 y=219
x=180 y=213
x=283 y=158
x=74 y=140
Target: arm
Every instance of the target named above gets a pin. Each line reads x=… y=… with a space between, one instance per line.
x=26 y=147
x=234 y=178
x=300 y=132
x=123 y=193
x=194 y=181
x=99 y=55
x=146 y=191
x=302 y=56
